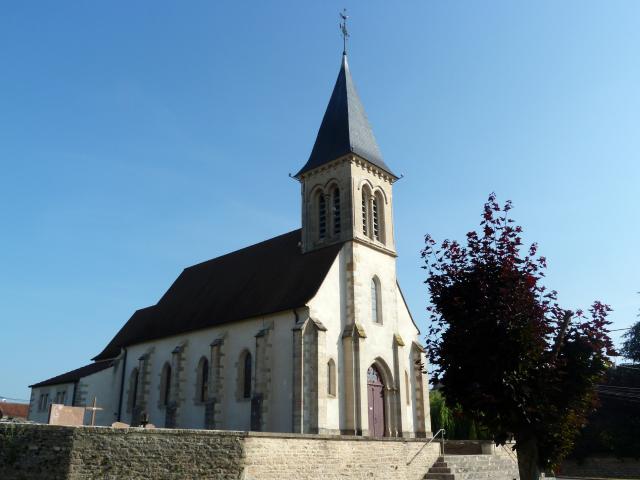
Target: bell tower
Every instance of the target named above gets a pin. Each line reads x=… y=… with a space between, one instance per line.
x=346 y=185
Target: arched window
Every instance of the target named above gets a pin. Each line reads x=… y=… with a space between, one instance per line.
x=165 y=385
x=245 y=375
x=331 y=377
x=376 y=306
x=133 y=389
x=336 y=211
x=322 y=217
x=202 y=385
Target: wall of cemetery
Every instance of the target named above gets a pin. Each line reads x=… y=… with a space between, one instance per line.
x=56 y=452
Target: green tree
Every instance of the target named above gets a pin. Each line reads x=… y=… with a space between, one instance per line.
x=457 y=425
x=502 y=347
x=441 y=414
x=631 y=346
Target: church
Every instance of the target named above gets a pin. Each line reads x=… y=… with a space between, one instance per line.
x=307 y=332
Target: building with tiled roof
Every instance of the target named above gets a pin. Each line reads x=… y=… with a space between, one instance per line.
x=12 y=410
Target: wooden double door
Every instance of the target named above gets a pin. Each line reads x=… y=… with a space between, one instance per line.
x=375 y=397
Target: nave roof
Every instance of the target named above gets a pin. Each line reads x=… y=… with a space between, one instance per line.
x=75 y=375
x=268 y=277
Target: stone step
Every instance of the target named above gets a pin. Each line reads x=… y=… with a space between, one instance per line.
x=439 y=470
x=490 y=474
x=463 y=458
x=494 y=476
x=484 y=474
x=473 y=467
x=484 y=466
x=439 y=476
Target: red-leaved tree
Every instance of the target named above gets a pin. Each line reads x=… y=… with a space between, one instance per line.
x=502 y=347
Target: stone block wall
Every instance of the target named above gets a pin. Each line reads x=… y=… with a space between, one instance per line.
x=310 y=457
x=55 y=452
x=28 y=452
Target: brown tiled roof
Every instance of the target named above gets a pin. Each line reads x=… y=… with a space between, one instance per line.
x=75 y=375
x=14 y=410
x=268 y=277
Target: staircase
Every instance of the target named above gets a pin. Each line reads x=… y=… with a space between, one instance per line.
x=473 y=467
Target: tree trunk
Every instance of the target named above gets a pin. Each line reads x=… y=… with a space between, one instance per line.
x=527 y=450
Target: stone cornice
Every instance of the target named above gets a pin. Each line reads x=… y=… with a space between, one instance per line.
x=375 y=246
x=354 y=160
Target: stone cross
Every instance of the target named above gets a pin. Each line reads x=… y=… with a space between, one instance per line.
x=93 y=409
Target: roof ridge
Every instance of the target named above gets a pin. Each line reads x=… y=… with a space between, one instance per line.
x=261 y=279
x=242 y=249
x=77 y=373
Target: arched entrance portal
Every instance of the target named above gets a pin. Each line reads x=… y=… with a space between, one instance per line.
x=375 y=397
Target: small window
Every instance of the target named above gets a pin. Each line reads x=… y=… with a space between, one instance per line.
x=246 y=375
x=376 y=310
x=322 y=217
x=165 y=385
x=336 y=211
x=60 y=397
x=203 y=380
x=44 y=400
x=331 y=377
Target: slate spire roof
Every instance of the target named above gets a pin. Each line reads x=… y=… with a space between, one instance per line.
x=345 y=128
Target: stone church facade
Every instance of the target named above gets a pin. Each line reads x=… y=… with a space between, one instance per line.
x=307 y=332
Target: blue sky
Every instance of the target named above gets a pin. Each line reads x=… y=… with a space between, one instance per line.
x=137 y=138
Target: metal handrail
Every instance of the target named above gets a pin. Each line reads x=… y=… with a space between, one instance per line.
x=511 y=455
x=443 y=431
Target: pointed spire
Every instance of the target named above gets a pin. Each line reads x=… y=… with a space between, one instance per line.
x=345 y=127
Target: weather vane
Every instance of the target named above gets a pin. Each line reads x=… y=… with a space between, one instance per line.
x=343 y=29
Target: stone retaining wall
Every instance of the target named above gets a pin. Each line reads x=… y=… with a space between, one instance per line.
x=271 y=458
x=54 y=452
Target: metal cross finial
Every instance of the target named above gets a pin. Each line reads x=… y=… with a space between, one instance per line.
x=343 y=29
